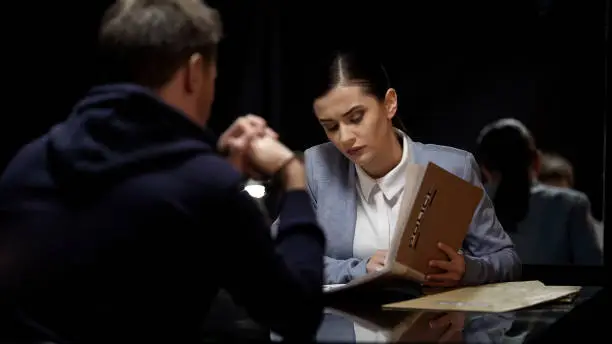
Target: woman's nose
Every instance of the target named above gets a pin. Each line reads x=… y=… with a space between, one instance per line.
x=347 y=137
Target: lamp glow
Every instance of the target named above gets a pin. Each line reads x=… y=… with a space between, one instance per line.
x=255 y=190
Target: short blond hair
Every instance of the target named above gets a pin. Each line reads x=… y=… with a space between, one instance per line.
x=146 y=41
x=553 y=166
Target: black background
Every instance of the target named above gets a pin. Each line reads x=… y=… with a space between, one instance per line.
x=456 y=65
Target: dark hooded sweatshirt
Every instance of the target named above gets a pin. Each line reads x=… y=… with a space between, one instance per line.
x=122 y=223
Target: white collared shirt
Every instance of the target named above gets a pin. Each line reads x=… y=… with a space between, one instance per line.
x=378 y=204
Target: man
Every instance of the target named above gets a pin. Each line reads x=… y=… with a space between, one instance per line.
x=555 y=170
x=121 y=223
x=548 y=225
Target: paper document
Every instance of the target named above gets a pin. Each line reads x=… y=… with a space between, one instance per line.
x=329 y=287
x=371 y=277
x=495 y=298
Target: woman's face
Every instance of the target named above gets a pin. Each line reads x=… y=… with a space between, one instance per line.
x=355 y=122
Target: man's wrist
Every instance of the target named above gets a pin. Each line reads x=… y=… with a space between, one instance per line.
x=293 y=175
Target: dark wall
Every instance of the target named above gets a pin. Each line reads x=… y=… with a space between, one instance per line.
x=459 y=65
x=456 y=65
x=47 y=65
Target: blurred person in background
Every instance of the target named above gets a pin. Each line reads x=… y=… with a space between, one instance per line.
x=548 y=225
x=555 y=170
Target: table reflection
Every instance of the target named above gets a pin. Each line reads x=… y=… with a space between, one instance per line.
x=359 y=323
x=413 y=327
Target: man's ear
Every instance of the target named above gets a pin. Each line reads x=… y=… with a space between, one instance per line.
x=391 y=103
x=193 y=73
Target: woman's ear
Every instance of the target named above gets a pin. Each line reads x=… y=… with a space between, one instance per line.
x=391 y=103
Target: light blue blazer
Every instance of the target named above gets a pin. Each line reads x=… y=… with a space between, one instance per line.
x=488 y=250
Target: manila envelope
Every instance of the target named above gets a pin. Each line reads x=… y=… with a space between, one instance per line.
x=494 y=298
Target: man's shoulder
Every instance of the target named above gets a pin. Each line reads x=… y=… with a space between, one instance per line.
x=565 y=196
x=29 y=159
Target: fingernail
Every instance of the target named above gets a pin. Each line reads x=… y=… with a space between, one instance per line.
x=431 y=263
x=440 y=244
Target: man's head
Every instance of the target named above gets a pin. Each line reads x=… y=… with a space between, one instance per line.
x=169 y=46
x=556 y=170
x=509 y=162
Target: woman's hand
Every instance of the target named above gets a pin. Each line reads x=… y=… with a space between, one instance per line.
x=454 y=322
x=377 y=261
x=454 y=269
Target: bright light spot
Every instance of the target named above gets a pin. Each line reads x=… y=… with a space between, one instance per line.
x=255 y=190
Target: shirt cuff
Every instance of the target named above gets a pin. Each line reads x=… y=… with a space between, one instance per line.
x=473 y=269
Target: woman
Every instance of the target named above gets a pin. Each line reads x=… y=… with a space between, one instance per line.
x=548 y=224
x=356 y=182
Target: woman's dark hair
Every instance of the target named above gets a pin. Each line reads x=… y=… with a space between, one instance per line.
x=507 y=147
x=360 y=69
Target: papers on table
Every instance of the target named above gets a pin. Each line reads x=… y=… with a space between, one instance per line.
x=330 y=287
x=495 y=298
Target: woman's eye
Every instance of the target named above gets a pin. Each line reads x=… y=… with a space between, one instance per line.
x=356 y=118
x=332 y=127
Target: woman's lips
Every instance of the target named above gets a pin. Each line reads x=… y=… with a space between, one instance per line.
x=355 y=151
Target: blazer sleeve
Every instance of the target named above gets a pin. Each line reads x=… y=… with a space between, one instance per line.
x=336 y=271
x=340 y=271
x=488 y=250
x=583 y=234
x=278 y=281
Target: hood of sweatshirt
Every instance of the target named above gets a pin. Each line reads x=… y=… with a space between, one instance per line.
x=119 y=131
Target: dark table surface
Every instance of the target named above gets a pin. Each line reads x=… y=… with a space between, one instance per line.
x=550 y=322
x=523 y=326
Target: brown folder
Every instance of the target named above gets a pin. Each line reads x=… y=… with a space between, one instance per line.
x=443 y=211
x=437 y=206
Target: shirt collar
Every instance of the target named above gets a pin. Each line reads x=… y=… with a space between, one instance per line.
x=391 y=183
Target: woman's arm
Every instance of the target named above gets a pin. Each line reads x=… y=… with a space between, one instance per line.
x=488 y=250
